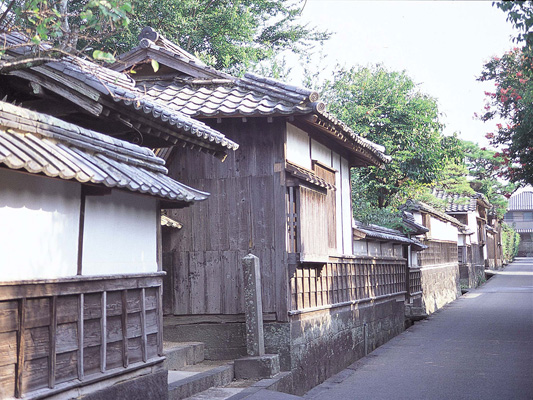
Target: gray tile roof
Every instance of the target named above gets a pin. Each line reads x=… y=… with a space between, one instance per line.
x=200 y=91
x=412 y=226
x=461 y=203
x=521 y=201
x=415 y=205
x=40 y=144
x=121 y=88
x=381 y=233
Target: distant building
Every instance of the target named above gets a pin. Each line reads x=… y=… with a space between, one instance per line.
x=520 y=216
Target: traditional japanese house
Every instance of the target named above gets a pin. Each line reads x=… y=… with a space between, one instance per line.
x=520 y=216
x=285 y=197
x=377 y=241
x=80 y=261
x=439 y=267
x=483 y=250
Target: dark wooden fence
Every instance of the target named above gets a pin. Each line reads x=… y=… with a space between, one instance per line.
x=415 y=285
x=59 y=334
x=438 y=253
x=346 y=280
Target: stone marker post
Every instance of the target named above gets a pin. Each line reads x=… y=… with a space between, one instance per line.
x=257 y=365
x=253 y=306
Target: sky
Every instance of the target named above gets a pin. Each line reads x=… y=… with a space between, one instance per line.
x=441 y=44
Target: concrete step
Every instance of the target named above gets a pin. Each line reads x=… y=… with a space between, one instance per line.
x=181 y=354
x=194 y=379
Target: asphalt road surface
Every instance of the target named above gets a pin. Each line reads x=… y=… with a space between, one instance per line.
x=478 y=347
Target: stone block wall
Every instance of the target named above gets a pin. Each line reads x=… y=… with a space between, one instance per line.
x=324 y=342
x=440 y=285
x=471 y=274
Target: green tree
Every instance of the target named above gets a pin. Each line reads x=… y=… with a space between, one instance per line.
x=387 y=108
x=224 y=33
x=511 y=100
x=55 y=28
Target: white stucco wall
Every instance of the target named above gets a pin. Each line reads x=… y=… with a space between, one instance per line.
x=472 y=225
x=441 y=230
x=298 y=146
x=39 y=226
x=336 y=161
x=120 y=234
x=320 y=153
x=346 y=207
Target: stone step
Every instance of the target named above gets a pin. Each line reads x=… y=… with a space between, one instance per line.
x=181 y=354
x=194 y=379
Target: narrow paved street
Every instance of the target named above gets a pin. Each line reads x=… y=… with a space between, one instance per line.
x=478 y=347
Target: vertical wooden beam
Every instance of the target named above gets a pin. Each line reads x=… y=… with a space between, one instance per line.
x=160 y=321
x=52 y=340
x=125 y=358
x=20 y=348
x=103 y=331
x=144 y=344
x=81 y=316
x=81 y=229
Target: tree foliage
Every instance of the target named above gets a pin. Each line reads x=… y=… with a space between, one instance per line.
x=62 y=27
x=387 y=108
x=224 y=33
x=511 y=100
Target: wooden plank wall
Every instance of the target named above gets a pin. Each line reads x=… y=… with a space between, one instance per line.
x=437 y=253
x=313 y=217
x=71 y=333
x=246 y=211
x=346 y=280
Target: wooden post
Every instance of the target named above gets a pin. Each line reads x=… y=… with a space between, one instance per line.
x=253 y=307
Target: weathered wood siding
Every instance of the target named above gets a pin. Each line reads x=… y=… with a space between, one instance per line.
x=246 y=211
x=347 y=280
x=58 y=334
x=438 y=253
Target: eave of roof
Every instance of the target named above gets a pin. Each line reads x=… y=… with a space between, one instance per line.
x=386 y=234
x=41 y=144
x=249 y=96
x=121 y=88
x=420 y=206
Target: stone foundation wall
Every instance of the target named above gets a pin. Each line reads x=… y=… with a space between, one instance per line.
x=525 y=248
x=325 y=342
x=313 y=345
x=470 y=275
x=440 y=285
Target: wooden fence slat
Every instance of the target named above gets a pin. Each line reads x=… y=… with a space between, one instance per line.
x=52 y=340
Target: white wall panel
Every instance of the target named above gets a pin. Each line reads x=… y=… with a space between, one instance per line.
x=441 y=230
x=39 y=225
x=120 y=234
x=298 y=146
x=320 y=153
x=346 y=207
x=338 y=205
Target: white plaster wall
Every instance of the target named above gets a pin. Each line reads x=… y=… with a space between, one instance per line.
x=418 y=217
x=338 y=205
x=374 y=249
x=398 y=250
x=441 y=230
x=387 y=249
x=120 y=234
x=472 y=224
x=298 y=146
x=346 y=207
x=39 y=227
x=320 y=153
x=360 y=247
x=461 y=240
